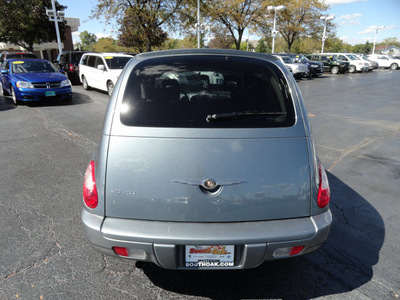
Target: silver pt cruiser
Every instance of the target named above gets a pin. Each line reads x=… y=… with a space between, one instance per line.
x=206 y=161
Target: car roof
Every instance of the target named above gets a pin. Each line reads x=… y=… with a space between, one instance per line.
x=107 y=54
x=206 y=51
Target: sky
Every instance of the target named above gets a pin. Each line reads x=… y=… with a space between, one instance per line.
x=356 y=20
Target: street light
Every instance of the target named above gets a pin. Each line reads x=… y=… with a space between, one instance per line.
x=274 y=32
x=376 y=32
x=56 y=16
x=326 y=18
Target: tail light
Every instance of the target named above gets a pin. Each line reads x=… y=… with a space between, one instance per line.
x=324 y=192
x=90 y=196
x=71 y=67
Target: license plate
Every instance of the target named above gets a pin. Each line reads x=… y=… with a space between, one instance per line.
x=50 y=93
x=209 y=256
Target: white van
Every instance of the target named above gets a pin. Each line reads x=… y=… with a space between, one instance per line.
x=356 y=64
x=101 y=70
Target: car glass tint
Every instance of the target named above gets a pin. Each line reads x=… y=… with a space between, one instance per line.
x=91 y=61
x=184 y=91
x=76 y=57
x=32 y=66
x=117 y=62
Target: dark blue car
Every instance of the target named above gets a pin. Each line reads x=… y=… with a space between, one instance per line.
x=33 y=80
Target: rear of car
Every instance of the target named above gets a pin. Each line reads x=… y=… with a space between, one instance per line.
x=8 y=55
x=68 y=61
x=206 y=161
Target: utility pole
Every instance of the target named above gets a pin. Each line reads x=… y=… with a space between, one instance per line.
x=56 y=16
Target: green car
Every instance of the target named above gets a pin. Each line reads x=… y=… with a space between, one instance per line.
x=331 y=63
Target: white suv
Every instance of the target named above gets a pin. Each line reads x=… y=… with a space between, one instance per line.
x=384 y=61
x=101 y=70
x=298 y=70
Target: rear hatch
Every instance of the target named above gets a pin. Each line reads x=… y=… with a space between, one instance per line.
x=161 y=179
x=216 y=139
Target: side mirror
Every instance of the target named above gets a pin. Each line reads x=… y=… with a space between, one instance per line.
x=101 y=67
x=4 y=71
x=61 y=71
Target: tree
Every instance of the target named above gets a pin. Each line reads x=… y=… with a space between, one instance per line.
x=391 y=41
x=222 y=40
x=25 y=23
x=262 y=46
x=139 y=29
x=87 y=40
x=299 y=18
x=362 y=48
x=141 y=21
x=236 y=15
x=106 y=44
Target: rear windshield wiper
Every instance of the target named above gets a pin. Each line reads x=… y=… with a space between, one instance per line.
x=242 y=114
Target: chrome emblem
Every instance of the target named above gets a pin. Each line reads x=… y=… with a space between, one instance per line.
x=209 y=184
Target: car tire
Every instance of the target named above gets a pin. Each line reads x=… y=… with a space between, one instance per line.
x=14 y=96
x=3 y=91
x=352 y=69
x=85 y=83
x=110 y=88
x=335 y=70
x=394 y=66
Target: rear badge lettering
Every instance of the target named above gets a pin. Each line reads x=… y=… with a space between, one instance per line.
x=123 y=192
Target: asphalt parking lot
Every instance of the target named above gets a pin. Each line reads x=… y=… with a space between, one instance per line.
x=44 y=150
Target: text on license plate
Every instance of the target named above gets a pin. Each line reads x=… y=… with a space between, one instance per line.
x=209 y=255
x=50 y=93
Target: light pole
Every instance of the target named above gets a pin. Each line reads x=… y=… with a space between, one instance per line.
x=376 y=32
x=56 y=16
x=274 y=32
x=198 y=24
x=326 y=18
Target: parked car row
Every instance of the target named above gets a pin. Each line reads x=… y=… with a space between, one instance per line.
x=335 y=63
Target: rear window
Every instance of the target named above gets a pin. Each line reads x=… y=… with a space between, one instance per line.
x=76 y=57
x=207 y=92
x=22 y=55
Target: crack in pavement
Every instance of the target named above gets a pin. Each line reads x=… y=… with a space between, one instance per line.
x=348 y=151
x=59 y=129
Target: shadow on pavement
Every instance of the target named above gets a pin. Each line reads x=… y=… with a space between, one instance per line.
x=76 y=100
x=342 y=264
x=6 y=103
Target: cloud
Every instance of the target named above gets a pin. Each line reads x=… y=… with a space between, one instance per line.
x=353 y=19
x=354 y=40
x=349 y=17
x=334 y=2
x=103 y=35
x=372 y=29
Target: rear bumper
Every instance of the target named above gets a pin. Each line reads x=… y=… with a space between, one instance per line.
x=163 y=243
